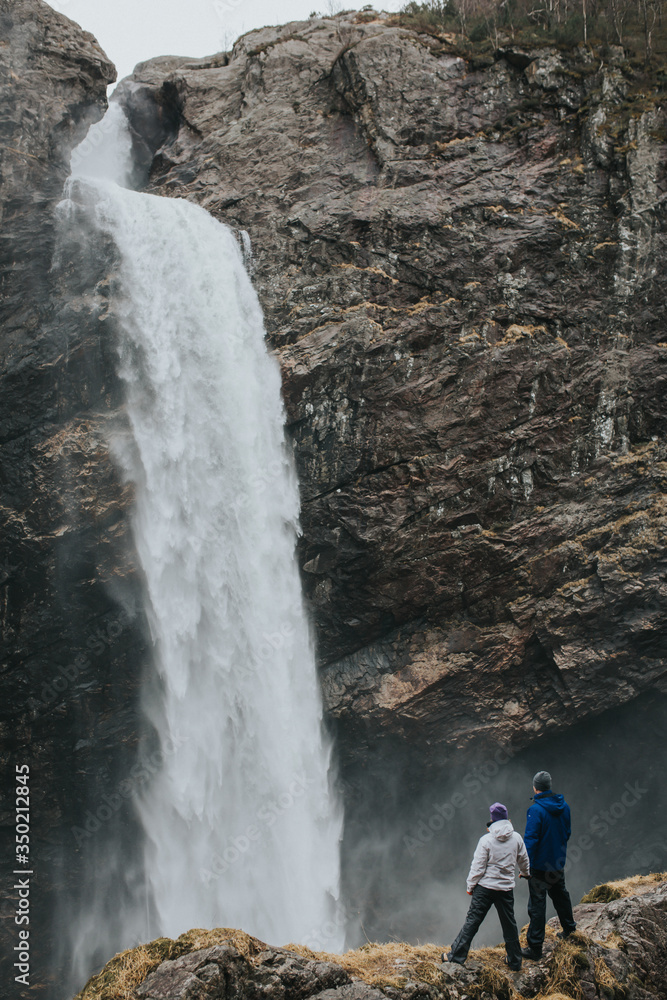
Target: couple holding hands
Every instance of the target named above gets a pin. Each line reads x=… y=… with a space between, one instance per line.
x=540 y=856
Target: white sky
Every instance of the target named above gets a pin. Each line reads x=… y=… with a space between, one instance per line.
x=130 y=31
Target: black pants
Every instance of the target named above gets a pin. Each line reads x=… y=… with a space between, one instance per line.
x=482 y=901
x=552 y=884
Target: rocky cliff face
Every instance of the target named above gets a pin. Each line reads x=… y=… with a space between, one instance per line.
x=459 y=262
x=460 y=265
x=460 y=268
x=72 y=634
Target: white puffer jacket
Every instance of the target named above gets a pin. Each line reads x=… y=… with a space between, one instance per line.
x=497 y=854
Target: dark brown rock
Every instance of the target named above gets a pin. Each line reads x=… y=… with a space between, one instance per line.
x=640 y=922
x=352 y=991
x=223 y=973
x=219 y=972
x=73 y=637
x=301 y=978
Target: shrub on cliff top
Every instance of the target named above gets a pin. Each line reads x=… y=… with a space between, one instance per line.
x=632 y=886
x=601 y=894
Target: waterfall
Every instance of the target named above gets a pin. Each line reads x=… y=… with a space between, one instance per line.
x=242 y=827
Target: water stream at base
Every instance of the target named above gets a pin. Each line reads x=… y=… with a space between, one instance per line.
x=242 y=827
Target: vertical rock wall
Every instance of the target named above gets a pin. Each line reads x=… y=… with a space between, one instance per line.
x=73 y=638
x=460 y=262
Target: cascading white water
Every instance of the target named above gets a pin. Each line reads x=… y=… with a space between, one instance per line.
x=241 y=822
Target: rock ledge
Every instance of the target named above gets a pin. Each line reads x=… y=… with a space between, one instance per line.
x=619 y=951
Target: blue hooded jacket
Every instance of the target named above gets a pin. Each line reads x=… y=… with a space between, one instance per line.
x=547 y=832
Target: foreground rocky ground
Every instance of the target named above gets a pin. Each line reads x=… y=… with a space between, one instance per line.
x=619 y=952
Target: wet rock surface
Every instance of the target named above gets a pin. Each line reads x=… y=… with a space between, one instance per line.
x=72 y=631
x=460 y=272
x=223 y=971
x=638 y=924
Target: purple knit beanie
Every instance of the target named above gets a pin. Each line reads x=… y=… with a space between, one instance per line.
x=498 y=811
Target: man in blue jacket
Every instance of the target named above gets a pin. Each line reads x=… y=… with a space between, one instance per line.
x=547 y=833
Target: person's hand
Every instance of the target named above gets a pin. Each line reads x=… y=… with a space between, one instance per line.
x=469 y=891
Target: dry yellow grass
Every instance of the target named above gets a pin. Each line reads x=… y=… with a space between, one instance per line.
x=491 y=981
x=565 y=965
x=127 y=970
x=384 y=964
x=568 y=961
x=605 y=977
x=514 y=333
x=635 y=885
x=120 y=977
x=554 y=996
x=494 y=957
x=614 y=940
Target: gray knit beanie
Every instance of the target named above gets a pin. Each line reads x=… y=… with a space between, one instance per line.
x=542 y=781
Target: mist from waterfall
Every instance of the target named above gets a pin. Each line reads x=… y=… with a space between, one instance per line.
x=241 y=824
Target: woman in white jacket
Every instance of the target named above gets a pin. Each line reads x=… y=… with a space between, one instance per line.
x=491 y=882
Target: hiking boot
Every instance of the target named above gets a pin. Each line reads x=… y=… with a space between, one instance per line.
x=534 y=956
x=564 y=935
x=447 y=957
x=514 y=968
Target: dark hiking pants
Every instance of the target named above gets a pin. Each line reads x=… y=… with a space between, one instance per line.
x=482 y=901
x=541 y=885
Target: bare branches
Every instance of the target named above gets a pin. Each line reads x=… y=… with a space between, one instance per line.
x=636 y=24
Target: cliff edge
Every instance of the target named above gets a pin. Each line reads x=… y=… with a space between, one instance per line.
x=619 y=951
